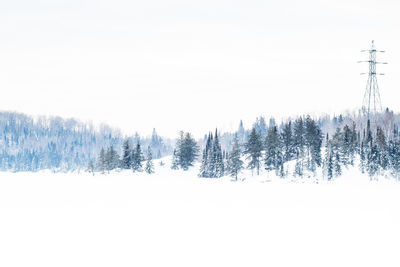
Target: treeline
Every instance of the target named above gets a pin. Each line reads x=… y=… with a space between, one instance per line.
x=299 y=148
x=132 y=158
x=184 y=157
x=33 y=144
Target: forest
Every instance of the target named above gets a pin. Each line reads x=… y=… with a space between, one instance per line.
x=301 y=147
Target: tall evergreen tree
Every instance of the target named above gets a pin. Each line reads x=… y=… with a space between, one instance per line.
x=126 y=161
x=219 y=161
x=101 y=162
x=287 y=140
x=337 y=165
x=187 y=151
x=149 y=168
x=273 y=157
x=253 y=150
x=235 y=164
x=137 y=158
x=175 y=160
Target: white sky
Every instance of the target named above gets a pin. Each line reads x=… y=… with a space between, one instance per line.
x=192 y=65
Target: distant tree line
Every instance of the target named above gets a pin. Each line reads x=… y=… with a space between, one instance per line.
x=33 y=144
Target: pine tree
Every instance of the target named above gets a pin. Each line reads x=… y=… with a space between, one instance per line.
x=287 y=141
x=298 y=138
x=337 y=166
x=187 y=151
x=272 y=150
x=330 y=165
x=112 y=159
x=313 y=143
x=205 y=162
x=126 y=162
x=175 y=161
x=137 y=158
x=235 y=164
x=253 y=150
x=149 y=168
x=372 y=159
x=219 y=161
x=382 y=149
x=101 y=162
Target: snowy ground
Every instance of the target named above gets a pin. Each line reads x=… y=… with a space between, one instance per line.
x=173 y=218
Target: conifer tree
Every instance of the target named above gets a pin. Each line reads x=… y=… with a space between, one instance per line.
x=330 y=165
x=126 y=161
x=235 y=164
x=337 y=166
x=111 y=159
x=253 y=150
x=383 y=157
x=175 y=161
x=287 y=141
x=219 y=161
x=298 y=138
x=149 y=168
x=137 y=158
x=272 y=150
x=205 y=168
x=101 y=162
x=187 y=151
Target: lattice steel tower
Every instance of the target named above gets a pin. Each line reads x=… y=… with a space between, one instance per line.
x=372 y=99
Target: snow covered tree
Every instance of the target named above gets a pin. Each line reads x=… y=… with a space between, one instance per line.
x=329 y=165
x=253 y=150
x=287 y=141
x=218 y=160
x=137 y=158
x=149 y=168
x=261 y=127
x=126 y=161
x=175 y=161
x=212 y=165
x=186 y=151
x=235 y=164
x=273 y=157
x=298 y=138
x=337 y=165
x=101 y=162
x=111 y=159
x=382 y=149
x=313 y=143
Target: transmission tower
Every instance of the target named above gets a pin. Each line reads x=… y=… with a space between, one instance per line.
x=372 y=99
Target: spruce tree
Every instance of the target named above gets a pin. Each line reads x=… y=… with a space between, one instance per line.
x=149 y=168
x=337 y=165
x=272 y=156
x=101 y=162
x=235 y=164
x=137 y=158
x=175 y=161
x=287 y=141
x=330 y=165
x=298 y=139
x=382 y=149
x=205 y=161
x=187 y=151
x=126 y=155
x=253 y=150
x=219 y=161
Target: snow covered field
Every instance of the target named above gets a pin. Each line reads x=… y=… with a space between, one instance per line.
x=173 y=218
